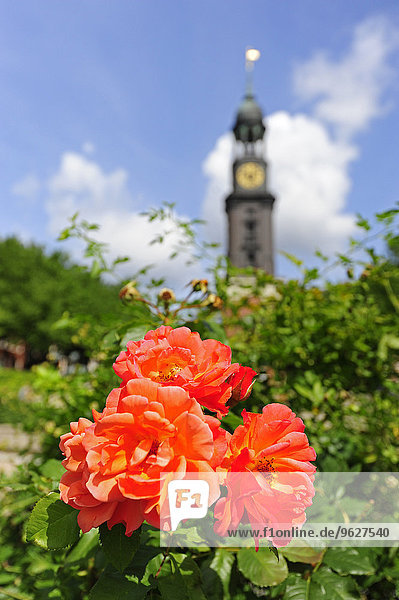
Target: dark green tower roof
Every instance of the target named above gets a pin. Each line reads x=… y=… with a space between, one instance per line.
x=249 y=121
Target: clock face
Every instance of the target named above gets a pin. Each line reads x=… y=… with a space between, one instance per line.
x=250 y=175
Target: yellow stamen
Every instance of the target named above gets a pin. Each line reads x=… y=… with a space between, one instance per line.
x=163 y=376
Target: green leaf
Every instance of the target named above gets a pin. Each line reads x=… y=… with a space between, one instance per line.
x=181 y=579
x=212 y=584
x=154 y=566
x=52 y=523
x=232 y=420
x=115 y=586
x=349 y=561
x=110 y=339
x=84 y=547
x=222 y=564
x=119 y=260
x=387 y=215
x=303 y=554
x=136 y=333
x=140 y=564
x=6 y=578
x=52 y=469
x=96 y=268
x=344 y=259
x=295 y=588
x=275 y=552
x=13 y=592
x=65 y=233
x=262 y=567
x=296 y=261
x=326 y=585
x=322 y=256
x=388 y=341
x=118 y=547
x=362 y=222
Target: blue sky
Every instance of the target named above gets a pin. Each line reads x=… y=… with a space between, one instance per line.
x=110 y=107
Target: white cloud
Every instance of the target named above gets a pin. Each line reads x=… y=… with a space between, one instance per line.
x=309 y=162
x=309 y=176
x=348 y=93
x=217 y=167
x=80 y=184
x=27 y=188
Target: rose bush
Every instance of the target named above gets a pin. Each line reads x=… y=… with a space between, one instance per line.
x=153 y=429
x=326 y=350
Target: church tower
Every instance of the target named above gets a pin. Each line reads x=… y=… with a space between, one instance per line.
x=249 y=206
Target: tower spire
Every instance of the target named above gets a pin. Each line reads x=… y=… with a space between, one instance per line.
x=249 y=206
x=251 y=56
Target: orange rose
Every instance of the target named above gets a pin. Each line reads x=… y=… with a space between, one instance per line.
x=117 y=467
x=274 y=453
x=178 y=357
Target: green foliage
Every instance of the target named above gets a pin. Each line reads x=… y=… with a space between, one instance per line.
x=331 y=352
x=188 y=242
x=37 y=290
x=118 y=547
x=115 y=586
x=347 y=561
x=328 y=350
x=216 y=574
x=52 y=524
x=262 y=567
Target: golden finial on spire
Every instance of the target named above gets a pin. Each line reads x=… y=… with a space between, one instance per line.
x=251 y=56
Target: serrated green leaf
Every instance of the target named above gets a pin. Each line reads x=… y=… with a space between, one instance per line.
x=326 y=585
x=118 y=547
x=115 y=586
x=349 y=561
x=303 y=554
x=262 y=567
x=52 y=523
